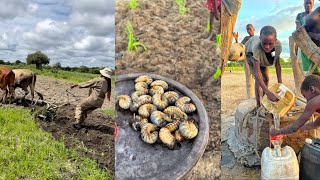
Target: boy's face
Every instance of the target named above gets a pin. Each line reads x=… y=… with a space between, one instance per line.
x=250 y=30
x=267 y=42
x=310 y=93
x=308 y=5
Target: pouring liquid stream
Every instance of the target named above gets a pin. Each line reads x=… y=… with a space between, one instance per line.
x=277 y=140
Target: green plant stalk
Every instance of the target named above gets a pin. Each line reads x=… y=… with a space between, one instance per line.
x=219 y=40
x=217 y=74
x=208 y=26
x=182 y=8
x=133 y=44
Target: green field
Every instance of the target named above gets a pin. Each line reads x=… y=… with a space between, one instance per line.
x=272 y=70
x=69 y=76
x=27 y=152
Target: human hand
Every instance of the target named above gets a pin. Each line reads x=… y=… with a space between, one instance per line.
x=273 y=131
x=272 y=97
x=236 y=36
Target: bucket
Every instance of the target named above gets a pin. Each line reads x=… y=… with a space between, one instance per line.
x=285 y=103
x=284 y=167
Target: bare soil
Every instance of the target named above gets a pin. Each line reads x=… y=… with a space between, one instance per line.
x=233 y=91
x=94 y=139
x=176 y=49
x=54 y=90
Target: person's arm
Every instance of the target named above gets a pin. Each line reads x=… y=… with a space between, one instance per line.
x=278 y=69
x=309 y=110
x=312 y=125
x=258 y=76
x=87 y=84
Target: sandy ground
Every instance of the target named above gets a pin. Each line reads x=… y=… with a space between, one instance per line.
x=233 y=91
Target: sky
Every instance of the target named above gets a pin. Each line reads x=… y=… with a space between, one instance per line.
x=280 y=14
x=72 y=32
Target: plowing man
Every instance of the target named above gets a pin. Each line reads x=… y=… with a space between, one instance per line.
x=99 y=87
x=310 y=89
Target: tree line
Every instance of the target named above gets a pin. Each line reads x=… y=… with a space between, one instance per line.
x=41 y=61
x=284 y=64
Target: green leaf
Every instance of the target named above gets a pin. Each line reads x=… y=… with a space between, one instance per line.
x=132 y=41
x=219 y=40
x=217 y=74
x=133 y=4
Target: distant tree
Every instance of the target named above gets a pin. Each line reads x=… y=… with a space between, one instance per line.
x=8 y=63
x=57 y=66
x=67 y=68
x=94 y=70
x=83 y=69
x=38 y=58
x=18 y=62
x=2 y=61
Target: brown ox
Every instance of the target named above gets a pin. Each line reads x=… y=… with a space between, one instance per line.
x=6 y=82
x=25 y=78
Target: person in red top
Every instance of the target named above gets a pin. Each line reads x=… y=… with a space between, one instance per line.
x=214 y=6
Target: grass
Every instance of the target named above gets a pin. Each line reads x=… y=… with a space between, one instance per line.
x=182 y=6
x=133 y=4
x=133 y=43
x=27 y=152
x=68 y=76
x=272 y=70
x=108 y=112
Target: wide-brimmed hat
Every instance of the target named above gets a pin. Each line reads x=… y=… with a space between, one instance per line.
x=106 y=72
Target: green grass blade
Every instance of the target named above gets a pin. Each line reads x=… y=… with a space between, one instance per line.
x=217 y=74
x=208 y=26
x=219 y=40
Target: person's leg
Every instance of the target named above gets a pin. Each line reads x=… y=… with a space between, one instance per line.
x=249 y=79
x=211 y=17
x=81 y=112
x=78 y=115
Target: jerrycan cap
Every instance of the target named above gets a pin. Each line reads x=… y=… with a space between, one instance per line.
x=308 y=141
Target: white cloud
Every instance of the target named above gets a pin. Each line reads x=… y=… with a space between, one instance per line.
x=71 y=32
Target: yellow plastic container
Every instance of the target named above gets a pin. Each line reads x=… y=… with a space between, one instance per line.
x=285 y=103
